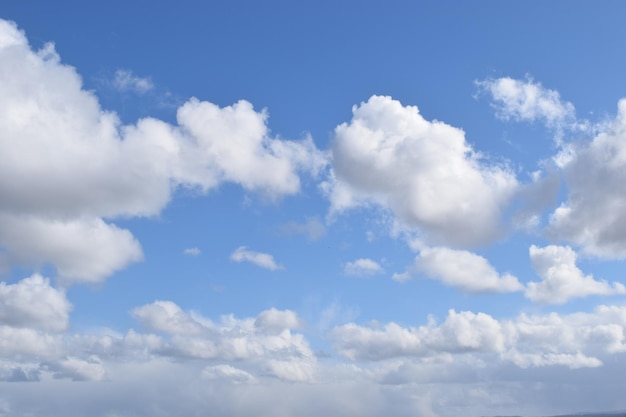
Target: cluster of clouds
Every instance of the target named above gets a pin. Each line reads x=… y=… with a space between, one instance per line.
x=575 y=340
x=561 y=279
x=69 y=166
x=36 y=344
x=70 y=169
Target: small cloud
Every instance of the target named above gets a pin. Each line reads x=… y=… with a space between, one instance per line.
x=192 y=251
x=126 y=81
x=362 y=267
x=312 y=228
x=264 y=260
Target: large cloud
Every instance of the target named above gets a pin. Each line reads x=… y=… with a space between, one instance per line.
x=594 y=215
x=67 y=164
x=561 y=278
x=575 y=340
x=423 y=171
x=266 y=339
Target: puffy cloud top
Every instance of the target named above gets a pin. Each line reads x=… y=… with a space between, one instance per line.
x=424 y=172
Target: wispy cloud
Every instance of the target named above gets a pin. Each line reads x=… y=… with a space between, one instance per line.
x=264 y=260
x=192 y=251
x=126 y=81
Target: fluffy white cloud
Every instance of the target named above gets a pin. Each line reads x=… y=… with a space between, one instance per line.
x=576 y=340
x=462 y=269
x=362 y=267
x=594 y=215
x=166 y=316
x=274 y=319
x=83 y=250
x=424 y=172
x=125 y=80
x=264 y=260
x=525 y=100
x=33 y=303
x=561 y=278
x=266 y=340
x=67 y=164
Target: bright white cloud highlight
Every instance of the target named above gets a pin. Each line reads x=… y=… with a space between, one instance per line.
x=362 y=267
x=525 y=100
x=561 y=278
x=33 y=303
x=424 y=172
x=575 y=340
x=266 y=340
x=68 y=164
x=264 y=260
x=464 y=270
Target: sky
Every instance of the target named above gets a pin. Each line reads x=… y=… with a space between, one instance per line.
x=312 y=208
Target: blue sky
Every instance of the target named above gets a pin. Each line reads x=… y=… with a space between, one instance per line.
x=356 y=209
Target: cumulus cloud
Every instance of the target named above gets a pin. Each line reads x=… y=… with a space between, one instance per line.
x=423 y=171
x=525 y=100
x=461 y=269
x=562 y=280
x=575 y=340
x=125 y=80
x=264 y=260
x=594 y=215
x=274 y=319
x=362 y=267
x=68 y=164
x=33 y=303
x=266 y=340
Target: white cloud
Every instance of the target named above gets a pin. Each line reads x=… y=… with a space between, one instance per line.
x=424 y=172
x=166 y=316
x=125 y=80
x=228 y=373
x=68 y=164
x=575 y=340
x=363 y=267
x=192 y=251
x=264 y=260
x=274 y=319
x=266 y=340
x=32 y=302
x=83 y=250
x=561 y=278
x=77 y=369
x=594 y=215
x=463 y=270
x=525 y=100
